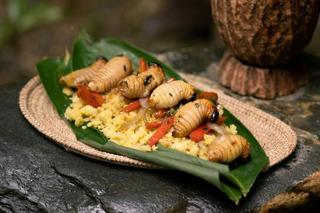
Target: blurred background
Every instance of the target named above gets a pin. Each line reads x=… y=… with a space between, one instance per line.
x=32 y=29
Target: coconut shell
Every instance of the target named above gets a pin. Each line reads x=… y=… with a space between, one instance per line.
x=265 y=33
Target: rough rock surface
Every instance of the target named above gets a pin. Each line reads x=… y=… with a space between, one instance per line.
x=38 y=175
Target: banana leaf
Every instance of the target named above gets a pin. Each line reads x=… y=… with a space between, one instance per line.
x=235 y=181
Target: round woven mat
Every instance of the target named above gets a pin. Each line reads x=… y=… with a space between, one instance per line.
x=276 y=138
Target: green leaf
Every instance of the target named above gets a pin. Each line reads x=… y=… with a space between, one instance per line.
x=85 y=51
x=50 y=71
x=173 y=162
x=88 y=135
x=174 y=154
x=244 y=175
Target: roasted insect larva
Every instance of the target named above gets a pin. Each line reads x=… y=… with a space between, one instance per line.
x=141 y=85
x=83 y=75
x=191 y=115
x=170 y=94
x=110 y=74
x=227 y=148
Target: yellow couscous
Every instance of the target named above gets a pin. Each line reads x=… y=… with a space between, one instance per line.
x=128 y=129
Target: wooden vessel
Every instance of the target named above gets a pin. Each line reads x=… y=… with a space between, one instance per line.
x=264 y=38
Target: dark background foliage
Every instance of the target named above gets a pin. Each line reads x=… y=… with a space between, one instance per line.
x=32 y=29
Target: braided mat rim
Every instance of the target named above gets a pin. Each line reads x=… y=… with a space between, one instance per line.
x=276 y=138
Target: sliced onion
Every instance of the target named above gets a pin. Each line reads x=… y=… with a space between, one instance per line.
x=170 y=80
x=144 y=103
x=220 y=138
x=219 y=129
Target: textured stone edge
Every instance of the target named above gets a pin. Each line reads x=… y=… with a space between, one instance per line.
x=305 y=192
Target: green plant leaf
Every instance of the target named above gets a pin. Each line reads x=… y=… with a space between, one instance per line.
x=173 y=162
x=241 y=177
x=85 y=51
x=50 y=71
x=245 y=174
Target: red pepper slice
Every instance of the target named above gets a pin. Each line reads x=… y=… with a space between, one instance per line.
x=91 y=98
x=220 y=120
x=153 y=125
x=198 y=134
x=161 y=131
x=208 y=95
x=132 y=106
x=160 y=113
x=142 y=65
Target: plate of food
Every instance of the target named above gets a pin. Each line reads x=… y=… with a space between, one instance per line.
x=112 y=101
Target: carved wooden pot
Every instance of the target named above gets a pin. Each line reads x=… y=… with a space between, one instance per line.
x=264 y=38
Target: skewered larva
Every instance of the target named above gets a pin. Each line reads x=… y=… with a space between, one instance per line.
x=82 y=76
x=141 y=85
x=110 y=74
x=226 y=148
x=191 y=115
x=170 y=94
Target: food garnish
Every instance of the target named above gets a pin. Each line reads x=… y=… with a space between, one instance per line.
x=91 y=98
x=198 y=134
x=132 y=106
x=161 y=131
x=208 y=95
x=143 y=66
x=153 y=125
x=220 y=120
x=160 y=113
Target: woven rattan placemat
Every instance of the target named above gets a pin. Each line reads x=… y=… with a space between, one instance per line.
x=277 y=138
